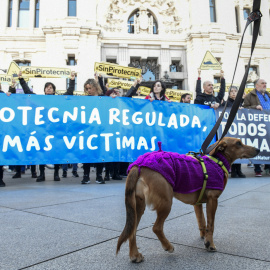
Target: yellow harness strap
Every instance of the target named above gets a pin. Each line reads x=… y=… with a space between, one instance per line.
x=220 y=163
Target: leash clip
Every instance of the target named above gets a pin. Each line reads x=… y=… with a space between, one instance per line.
x=253 y=16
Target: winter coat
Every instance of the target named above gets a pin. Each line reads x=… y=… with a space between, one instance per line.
x=205 y=99
x=251 y=100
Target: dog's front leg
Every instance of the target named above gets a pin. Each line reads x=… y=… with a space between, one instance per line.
x=211 y=207
x=200 y=219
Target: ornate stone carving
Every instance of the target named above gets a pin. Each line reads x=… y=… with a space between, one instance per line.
x=173 y=26
x=145 y=65
x=252 y=76
x=144 y=21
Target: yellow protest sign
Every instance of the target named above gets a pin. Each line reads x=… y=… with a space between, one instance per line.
x=247 y=90
x=117 y=71
x=144 y=90
x=175 y=94
x=13 y=70
x=139 y=97
x=75 y=93
x=5 y=79
x=216 y=86
x=210 y=62
x=45 y=72
x=120 y=83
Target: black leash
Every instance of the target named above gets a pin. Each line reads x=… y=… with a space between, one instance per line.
x=254 y=16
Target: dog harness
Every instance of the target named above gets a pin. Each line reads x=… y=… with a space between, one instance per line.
x=185 y=173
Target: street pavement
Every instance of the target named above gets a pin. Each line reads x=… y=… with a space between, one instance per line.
x=66 y=225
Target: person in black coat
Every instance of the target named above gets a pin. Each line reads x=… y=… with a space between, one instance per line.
x=49 y=89
x=2 y=183
x=236 y=167
x=207 y=97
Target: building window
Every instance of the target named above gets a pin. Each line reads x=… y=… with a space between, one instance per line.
x=252 y=76
x=131 y=29
x=246 y=14
x=37 y=14
x=110 y=60
x=216 y=80
x=71 y=61
x=23 y=20
x=212 y=6
x=72 y=8
x=23 y=63
x=149 y=67
x=177 y=85
x=176 y=66
x=237 y=20
x=134 y=20
x=10 y=13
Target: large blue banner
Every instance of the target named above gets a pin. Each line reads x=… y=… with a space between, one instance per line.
x=79 y=129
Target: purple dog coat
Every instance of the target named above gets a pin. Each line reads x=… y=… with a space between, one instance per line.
x=183 y=172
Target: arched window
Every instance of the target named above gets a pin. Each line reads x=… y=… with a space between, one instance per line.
x=137 y=18
x=23 y=20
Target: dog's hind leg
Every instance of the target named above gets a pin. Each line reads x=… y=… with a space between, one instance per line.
x=200 y=219
x=162 y=213
x=211 y=207
x=134 y=254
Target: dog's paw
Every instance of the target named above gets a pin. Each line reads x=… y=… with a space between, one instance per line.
x=170 y=249
x=137 y=258
x=210 y=248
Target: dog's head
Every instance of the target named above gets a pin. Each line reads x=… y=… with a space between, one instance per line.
x=233 y=148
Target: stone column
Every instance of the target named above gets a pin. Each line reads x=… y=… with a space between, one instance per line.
x=165 y=60
x=123 y=55
x=15 y=13
x=32 y=10
x=4 y=15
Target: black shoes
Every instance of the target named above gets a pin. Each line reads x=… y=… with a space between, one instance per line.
x=34 y=175
x=2 y=183
x=234 y=175
x=56 y=177
x=99 y=179
x=75 y=174
x=17 y=175
x=41 y=178
x=241 y=175
x=116 y=177
x=86 y=180
x=107 y=177
x=64 y=175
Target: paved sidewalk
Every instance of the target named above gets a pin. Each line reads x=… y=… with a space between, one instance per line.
x=66 y=225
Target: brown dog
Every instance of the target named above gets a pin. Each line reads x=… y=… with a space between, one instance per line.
x=147 y=187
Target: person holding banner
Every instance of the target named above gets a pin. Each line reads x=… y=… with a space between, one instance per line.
x=207 y=97
x=157 y=92
x=258 y=99
x=49 y=89
x=93 y=88
x=236 y=167
x=185 y=98
x=2 y=183
x=134 y=88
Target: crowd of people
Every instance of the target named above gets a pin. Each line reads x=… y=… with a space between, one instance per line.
x=258 y=99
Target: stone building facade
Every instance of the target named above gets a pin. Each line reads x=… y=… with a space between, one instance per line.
x=160 y=36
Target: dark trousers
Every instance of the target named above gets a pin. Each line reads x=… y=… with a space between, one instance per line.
x=257 y=168
x=42 y=168
x=1 y=173
x=87 y=166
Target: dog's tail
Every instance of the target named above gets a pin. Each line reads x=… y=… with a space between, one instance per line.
x=130 y=201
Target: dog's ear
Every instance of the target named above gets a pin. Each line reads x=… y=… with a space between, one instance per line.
x=221 y=146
